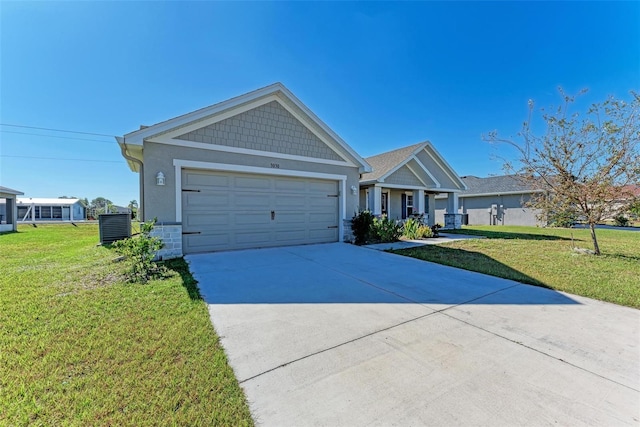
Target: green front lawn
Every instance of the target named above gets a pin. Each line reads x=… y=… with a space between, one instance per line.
x=78 y=346
x=544 y=257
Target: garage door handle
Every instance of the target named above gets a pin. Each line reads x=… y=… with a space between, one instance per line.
x=332 y=226
x=190 y=232
x=273 y=215
x=191 y=191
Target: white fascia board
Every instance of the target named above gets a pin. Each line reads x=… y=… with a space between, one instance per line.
x=196 y=119
x=364 y=166
x=497 y=193
x=137 y=137
x=446 y=167
x=404 y=187
x=247 y=151
x=228 y=149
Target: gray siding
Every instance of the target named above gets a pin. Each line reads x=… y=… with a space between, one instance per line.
x=513 y=211
x=160 y=200
x=436 y=170
x=403 y=176
x=269 y=127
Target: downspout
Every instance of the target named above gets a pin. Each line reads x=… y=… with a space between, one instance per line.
x=123 y=149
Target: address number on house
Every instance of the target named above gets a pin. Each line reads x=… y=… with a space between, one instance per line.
x=275 y=165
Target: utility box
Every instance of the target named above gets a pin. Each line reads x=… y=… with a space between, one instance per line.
x=114 y=227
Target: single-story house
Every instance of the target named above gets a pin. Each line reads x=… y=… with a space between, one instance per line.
x=50 y=209
x=262 y=170
x=120 y=209
x=406 y=181
x=258 y=170
x=496 y=200
x=8 y=209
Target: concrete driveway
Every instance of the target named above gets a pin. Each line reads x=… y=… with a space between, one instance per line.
x=337 y=334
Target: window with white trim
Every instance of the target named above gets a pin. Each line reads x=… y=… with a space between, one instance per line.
x=409 y=207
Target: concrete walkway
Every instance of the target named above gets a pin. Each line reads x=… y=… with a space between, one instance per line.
x=337 y=335
x=406 y=244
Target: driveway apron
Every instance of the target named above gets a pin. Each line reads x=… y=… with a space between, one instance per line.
x=336 y=334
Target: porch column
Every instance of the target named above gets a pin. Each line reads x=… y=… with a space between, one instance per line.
x=418 y=196
x=452 y=203
x=431 y=209
x=376 y=203
x=452 y=219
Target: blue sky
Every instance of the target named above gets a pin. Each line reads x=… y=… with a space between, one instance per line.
x=382 y=75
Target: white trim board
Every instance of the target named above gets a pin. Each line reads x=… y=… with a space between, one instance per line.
x=247 y=151
x=179 y=164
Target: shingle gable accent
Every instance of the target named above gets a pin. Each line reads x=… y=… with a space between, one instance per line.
x=269 y=127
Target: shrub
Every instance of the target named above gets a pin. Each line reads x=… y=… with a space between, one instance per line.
x=410 y=230
x=435 y=230
x=361 y=225
x=620 y=221
x=424 y=231
x=140 y=252
x=386 y=230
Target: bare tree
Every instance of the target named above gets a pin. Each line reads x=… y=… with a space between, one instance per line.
x=586 y=164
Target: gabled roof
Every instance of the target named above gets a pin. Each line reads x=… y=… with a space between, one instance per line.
x=132 y=142
x=7 y=190
x=493 y=185
x=387 y=163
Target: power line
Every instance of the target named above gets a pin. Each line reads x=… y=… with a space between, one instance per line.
x=55 y=136
x=57 y=130
x=60 y=158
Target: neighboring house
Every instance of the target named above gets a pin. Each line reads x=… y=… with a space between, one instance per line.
x=630 y=194
x=405 y=182
x=8 y=209
x=258 y=170
x=496 y=200
x=119 y=209
x=50 y=209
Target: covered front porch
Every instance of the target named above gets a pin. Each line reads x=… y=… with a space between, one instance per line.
x=400 y=203
x=405 y=182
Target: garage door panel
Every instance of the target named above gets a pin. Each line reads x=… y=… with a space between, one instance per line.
x=316 y=203
x=282 y=184
x=252 y=218
x=251 y=183
x=323 y=235
x=290 y=218
x=291 y=236
x=329 y=187
x=324 y=218
x=251 y=200
x=206 y=200
x=198 y=180
x=206 y=242
x=233 y=211
x=290 y=202
x=259 y=238
x=203 y=220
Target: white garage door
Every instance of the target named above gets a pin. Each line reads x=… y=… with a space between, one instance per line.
x=224 y=210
